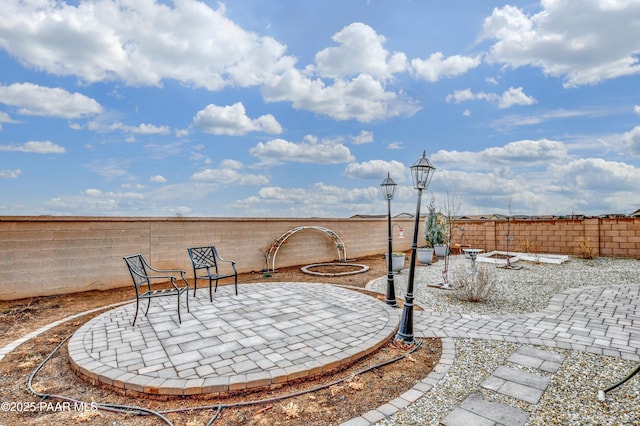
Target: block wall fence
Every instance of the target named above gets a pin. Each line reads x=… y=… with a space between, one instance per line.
x=43 y=255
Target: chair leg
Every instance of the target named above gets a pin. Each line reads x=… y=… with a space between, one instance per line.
x=186 y=294
x=179 y=318
x=236 y=284
x=195 y=285
x=148 y=306
x=136 y=314
x=210 y=293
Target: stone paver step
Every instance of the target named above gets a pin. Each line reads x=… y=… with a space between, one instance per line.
x=517 y=384
x=477 y=411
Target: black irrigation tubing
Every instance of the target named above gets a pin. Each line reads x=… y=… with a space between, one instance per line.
x=106 y=407
x=128 y=409
x=602 y=393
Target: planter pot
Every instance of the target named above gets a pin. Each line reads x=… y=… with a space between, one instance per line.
x=397 y=262
x=425 y=256
x=441 y=250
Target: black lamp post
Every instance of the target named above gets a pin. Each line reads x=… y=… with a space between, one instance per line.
x=388 y=187
x=421 y=173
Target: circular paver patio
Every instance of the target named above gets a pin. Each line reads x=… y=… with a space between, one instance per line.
x=269 y=334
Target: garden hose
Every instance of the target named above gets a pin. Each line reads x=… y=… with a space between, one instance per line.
x=602 y=393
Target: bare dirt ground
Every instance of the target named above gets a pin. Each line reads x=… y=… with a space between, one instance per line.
x=326 y=400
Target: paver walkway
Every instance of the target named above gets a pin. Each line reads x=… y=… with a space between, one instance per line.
x=602 y=320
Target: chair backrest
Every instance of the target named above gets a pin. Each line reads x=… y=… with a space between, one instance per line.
x=137 y=269
x=203 y=257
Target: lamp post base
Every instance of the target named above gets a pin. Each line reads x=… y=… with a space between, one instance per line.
x=391 y=293
x=405 y=333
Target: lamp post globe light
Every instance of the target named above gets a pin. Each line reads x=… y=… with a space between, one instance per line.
x=421 y=172
x=388 y=188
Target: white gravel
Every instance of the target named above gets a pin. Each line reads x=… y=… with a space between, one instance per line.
x=517 y=291
x=571 y=398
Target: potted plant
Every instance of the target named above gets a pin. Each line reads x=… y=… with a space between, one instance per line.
x=397 y=260
x=425 y=255
x=435 y=231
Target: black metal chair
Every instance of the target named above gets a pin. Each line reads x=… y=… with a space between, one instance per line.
x=138 y=267
x=205 y=266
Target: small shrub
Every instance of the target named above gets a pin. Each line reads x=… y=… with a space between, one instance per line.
x=584 y=249
x=527 y=246
x=292 y=410
x=470 y=287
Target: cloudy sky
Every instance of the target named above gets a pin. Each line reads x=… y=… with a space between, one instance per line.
x=286 y=108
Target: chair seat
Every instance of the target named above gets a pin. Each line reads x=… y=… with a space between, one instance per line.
x=162 y=292
x=215 y=276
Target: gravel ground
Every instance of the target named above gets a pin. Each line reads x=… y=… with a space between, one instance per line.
x=516 y=291
x=571 y=398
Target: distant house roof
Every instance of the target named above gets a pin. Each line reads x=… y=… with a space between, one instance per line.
x=475 y=217
x=380 y=216
x=612 y=215
x=404 y=216
x=368 y=216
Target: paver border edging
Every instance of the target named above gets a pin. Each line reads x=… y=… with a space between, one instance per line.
x=416 y=392
x=9 y=347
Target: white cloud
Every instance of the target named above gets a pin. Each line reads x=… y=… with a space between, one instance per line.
x=158 y=179
x=229 y=172
x=631 y=139
x=437 y=66
x=140 y=43
x=109 y=167
x=278 y=151
x=585 y=42
x=521 y=154
x=377 y=169
x=295 y=202
x=143 y=43
x=5 y=118
x=233 y=120
x=395 y=145
x=10 y=174
x=513 y=96
x=360 y=51
x=32 y=99
x=228 y=176
x=597 y=175
x=143 y=129
x=636 y=110
x=363 y=98
x=36 y=147
x=363 y=137
x=530 y=118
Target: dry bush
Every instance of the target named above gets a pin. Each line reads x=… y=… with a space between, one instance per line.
x=292 y=410
x=527 y=246
x=584 y=249
x=473 y=287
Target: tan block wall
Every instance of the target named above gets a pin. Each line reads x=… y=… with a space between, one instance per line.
x=614 y=237
x=54 y=255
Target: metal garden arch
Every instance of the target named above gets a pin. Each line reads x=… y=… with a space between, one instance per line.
x=271 y=254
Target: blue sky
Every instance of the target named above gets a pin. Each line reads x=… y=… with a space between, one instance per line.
x=296 y=108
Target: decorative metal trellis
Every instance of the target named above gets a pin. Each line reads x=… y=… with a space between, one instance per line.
x=272 y=250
